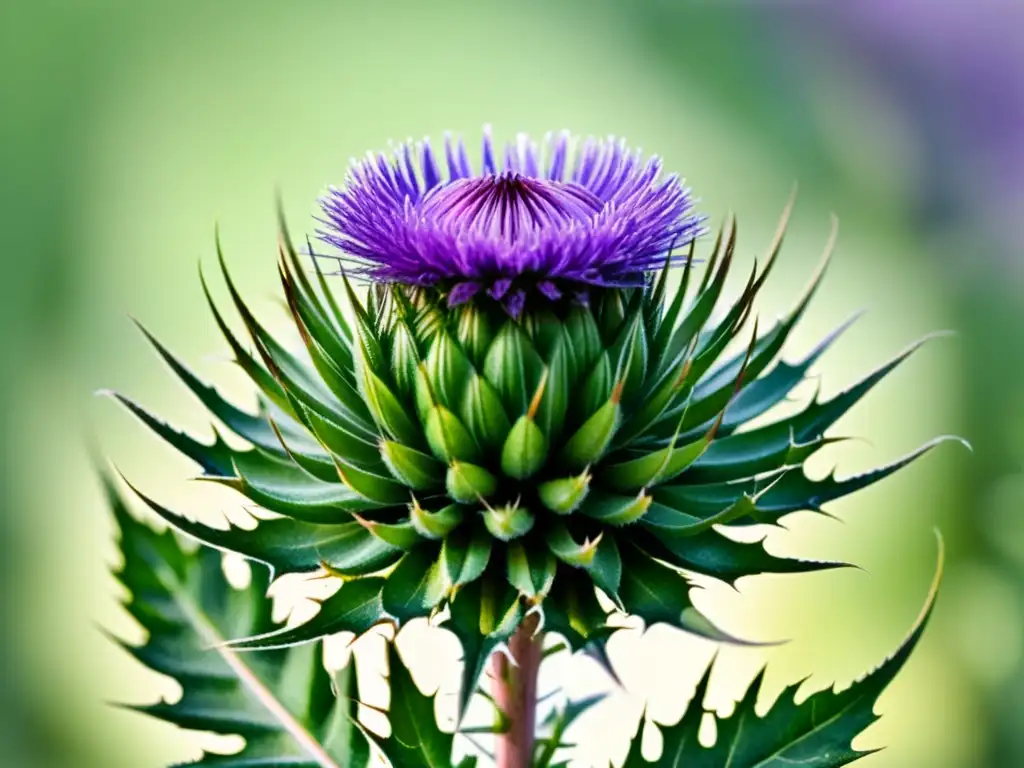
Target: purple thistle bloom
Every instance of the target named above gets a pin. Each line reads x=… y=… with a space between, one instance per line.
x=595 y=217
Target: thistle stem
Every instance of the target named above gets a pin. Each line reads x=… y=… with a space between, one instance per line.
x=515 y=692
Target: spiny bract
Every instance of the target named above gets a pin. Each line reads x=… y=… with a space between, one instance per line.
x=488 y=462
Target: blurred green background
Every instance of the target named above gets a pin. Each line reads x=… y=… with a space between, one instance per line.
x=128 y=129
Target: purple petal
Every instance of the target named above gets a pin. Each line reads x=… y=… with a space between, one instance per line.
x=499 y=288
x=549 y=289
x=515 y=303
x=462 y=293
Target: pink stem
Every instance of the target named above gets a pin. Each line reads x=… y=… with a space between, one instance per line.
x=515 y=692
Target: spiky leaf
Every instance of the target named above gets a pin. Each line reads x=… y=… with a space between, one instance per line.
x=281 y=702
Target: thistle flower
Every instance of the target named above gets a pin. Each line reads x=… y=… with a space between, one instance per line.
x=473 y=438
x=537 y=223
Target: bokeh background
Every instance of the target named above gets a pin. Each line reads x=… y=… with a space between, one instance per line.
x=128 y=129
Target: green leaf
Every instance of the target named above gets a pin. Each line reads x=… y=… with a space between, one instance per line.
x=531 y=569
x=673 y=348
x=613 y=509
x=388 y=412
x=334 y=368
x=752 y=453
x=596 y=388
x=715 y=390
x=817 y=733
x=255 y=429
x=292 y=546
x=714 y=554
x=281 y=702
x=415 y=469
x=371 y=355
x=789 y=490
x=405 y=359
x=573 y=611
x=664 y=518
x=648 y=469
x=416 y=585
x=382 y=490
x=817 y=417
x=282 y=487
x=598 y=556
x=354 y=447
x=509 y=521
x=403 y=535
x=553 y=407
x=590 y=442
x=584 y=339
x=416 y=741
x=356 y=607
x=762 y=394
x=465 y=554
x=329 y=331
x=660 y=595
x=565 y=547
x=483 y=414
x=260 y=376
x=475 y=332
x=293 y=376
x=447 y=369
x=448 y=437
x=215 y=458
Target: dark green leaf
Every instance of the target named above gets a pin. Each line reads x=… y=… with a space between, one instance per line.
x=416 y=741
x=290 y=546
x=660 y=595
x=416 y=585
x=282 y=487
x=817 y=733
x=354 y=608
x=572 y=609
x=280 y=702
x=530 y=569
x=789 y=490
x=215 y=458
x=714 y=554
x=465 y=554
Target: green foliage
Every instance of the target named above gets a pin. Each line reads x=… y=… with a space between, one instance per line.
x=283 y=702
x=817 y=733
x=275 y=692
x=427 y=454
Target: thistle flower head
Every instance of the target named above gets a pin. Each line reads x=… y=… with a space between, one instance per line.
x=545 y=221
